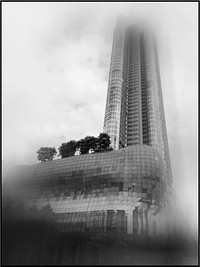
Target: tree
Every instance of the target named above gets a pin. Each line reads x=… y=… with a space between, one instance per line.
x=46 y=154
x=68 y=149
x=96 y=144
x=84 y=145
x=103 y=143
x=87 y=143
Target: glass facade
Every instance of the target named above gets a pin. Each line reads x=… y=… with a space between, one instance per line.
x=121 y=191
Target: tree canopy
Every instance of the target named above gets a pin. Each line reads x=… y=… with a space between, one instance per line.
x=103 y=143
x=85 y=145
x=68 y=149
x=46 y=154
x=94 y=144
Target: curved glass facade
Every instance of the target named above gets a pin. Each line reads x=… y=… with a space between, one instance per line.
x=121 y=191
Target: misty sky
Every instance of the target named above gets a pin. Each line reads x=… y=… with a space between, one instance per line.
x=56 y=60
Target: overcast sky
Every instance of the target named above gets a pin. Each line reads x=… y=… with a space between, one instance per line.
x=56 y=60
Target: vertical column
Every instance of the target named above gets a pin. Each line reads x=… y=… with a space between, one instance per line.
x=144 y=222
x=135 y=221
x=129 y=222
x=105 y=220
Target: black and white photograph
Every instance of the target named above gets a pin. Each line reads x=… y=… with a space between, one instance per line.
x=99 y=133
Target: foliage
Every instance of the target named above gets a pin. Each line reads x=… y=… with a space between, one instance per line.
x=68 y=149
x=95 y=144
x=46 y=154
x=103 y=143
x=87 y=143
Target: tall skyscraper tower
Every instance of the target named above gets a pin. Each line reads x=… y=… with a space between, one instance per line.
x=134 y=108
